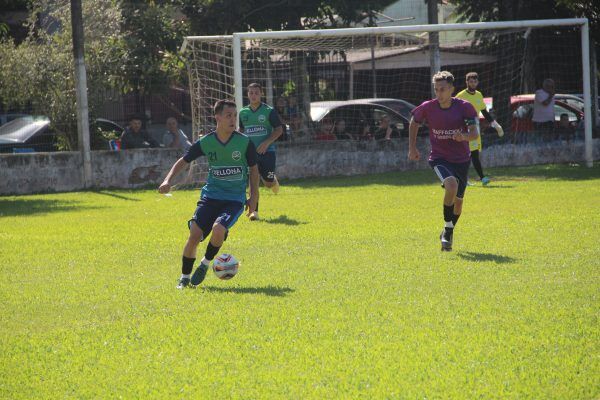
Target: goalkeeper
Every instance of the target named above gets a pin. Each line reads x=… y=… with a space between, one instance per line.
x=474 y=96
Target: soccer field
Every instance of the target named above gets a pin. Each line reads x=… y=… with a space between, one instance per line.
x=343 y=292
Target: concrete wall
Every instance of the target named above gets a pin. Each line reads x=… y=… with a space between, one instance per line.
x=60 y=172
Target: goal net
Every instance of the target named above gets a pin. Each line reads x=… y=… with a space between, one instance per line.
x=360 y=84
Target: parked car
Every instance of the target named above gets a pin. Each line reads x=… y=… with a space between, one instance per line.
x=27 y=134
x=360 y=111
x=35 y=134
x=522 y=112
x=7 y=117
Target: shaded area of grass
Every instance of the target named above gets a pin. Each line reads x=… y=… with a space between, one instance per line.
x=26 y=206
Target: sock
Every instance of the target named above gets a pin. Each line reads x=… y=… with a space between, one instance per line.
x=205 y=261
x=256 y=207
x=211 y=251
x=448 y=212
x=455 y=218
x=477 y=163
x=186 y=275
x=187 y=265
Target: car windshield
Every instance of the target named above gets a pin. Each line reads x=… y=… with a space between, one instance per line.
x=317 y=112
x=22 y=124
x=400 y=107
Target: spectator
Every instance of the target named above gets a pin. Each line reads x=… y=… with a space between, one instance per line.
x=566 y=130
x=325 y=130
x=295 y=117
x=364 y=132
x=543 y=111
x=386 y=130
x=174 y=137
x=134 y=137
x=281 y=106
x=340 y=130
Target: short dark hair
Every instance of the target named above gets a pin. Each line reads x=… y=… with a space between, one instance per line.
x=136 y=116
x=255 y=85
x=473 y=75
x=443 y=76
x=221 y=104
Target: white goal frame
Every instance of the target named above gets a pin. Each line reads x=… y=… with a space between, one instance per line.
x=582 y=23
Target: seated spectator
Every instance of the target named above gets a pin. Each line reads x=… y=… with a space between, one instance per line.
x=340 y=130
x=134 y=137
x=566 y=130
x=386 y=130
x=364 y=132
x=325 y=130
x=174 y=137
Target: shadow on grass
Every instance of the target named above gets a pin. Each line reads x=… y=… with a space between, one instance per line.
x=284 y=220
x=116 y=195
x=567 y=172
x=23 y=207
x=425 y=176
x=267 y=290
x=498 y=259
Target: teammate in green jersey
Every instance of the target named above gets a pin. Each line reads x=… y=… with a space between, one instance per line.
x=262 y=124
x=231 y=160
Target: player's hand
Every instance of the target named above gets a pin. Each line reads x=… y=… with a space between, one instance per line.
x=164 y=188
x=262 y=148
x=251 y=205
x=413 y=154
x=498 y=128
x=460 y=137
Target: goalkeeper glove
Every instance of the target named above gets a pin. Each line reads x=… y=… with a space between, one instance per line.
x=498 y=128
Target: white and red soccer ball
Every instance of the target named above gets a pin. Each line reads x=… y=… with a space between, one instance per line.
x=225 y=266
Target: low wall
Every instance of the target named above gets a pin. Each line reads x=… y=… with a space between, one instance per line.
x=61 y=172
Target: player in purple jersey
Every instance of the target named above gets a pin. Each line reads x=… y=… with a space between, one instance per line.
x=452 y=124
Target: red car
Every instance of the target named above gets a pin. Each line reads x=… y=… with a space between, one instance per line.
x=522 y=112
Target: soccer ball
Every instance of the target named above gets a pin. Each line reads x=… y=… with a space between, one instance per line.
x=225 y=266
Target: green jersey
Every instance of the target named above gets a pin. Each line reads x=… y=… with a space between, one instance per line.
x=227 y=165
x=259 y=124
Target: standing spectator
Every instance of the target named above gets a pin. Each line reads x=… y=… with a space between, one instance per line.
x=294 y=114
x=386 y=130
x=340 y=131
x=543 y=110
x=325 y=132
x=174 y=137
x=134 y=137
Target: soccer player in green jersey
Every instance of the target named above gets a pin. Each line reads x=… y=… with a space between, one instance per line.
x=262 y=124
x=231 y=160
x=474 y=96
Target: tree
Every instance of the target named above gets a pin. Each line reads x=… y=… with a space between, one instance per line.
x=38 y=74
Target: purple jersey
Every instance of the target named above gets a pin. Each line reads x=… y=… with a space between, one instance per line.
x=443 y=123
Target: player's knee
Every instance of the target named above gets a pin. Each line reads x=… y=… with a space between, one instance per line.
x=451 y=184
x=219 y=232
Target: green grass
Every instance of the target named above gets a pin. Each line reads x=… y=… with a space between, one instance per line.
x=343 y=293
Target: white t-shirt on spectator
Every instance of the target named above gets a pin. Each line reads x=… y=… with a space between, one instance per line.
x=542 y=113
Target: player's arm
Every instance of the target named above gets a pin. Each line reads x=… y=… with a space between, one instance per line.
x=179 y=166
x=193 y=152
x=275 y=121
x=492 y=122
x=254 y=178
x=472 y=134
x=413 y=130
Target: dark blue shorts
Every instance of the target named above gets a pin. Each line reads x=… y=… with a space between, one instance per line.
x=266 y=166
x=443 y=169
x=211 y=211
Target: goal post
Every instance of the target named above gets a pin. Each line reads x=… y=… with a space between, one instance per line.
x=305 y=69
